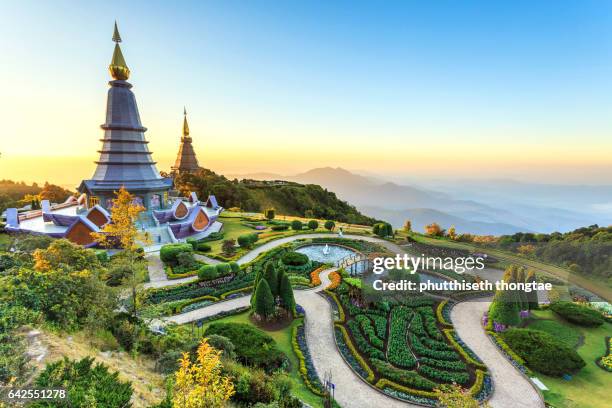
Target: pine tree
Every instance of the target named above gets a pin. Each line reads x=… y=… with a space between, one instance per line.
x=264 y=301
x=505 y=309
x=271 y=276
x=286 y=294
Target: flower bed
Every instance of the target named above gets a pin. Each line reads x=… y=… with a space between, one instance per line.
x=307 y=371
x=350 y=355
x=335 y=280
x=183 y=307
x=315 y=279
x=443 y=312
x=466 y=352
x=605 y=362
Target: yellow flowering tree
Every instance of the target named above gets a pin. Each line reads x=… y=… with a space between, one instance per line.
x=200 y=384
x=121 y=232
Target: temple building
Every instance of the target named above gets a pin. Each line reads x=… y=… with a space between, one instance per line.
x=125 y=161
x=186 y=160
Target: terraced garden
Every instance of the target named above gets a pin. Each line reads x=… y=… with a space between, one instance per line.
x=406 y=349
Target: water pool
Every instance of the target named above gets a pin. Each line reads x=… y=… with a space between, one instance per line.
x=326 y=253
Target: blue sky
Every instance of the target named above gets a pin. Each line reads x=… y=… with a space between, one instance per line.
x=509 y=89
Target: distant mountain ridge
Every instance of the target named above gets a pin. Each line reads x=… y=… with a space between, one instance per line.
x=488 y=210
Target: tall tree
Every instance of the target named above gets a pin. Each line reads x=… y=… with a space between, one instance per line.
x=532 y=297
x=264 y=301
x=201 y=384
x=286 y=294
x=271 y=276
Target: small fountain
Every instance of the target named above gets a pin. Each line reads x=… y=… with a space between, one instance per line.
x=326 y=250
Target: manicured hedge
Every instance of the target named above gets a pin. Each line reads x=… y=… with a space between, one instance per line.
x=408 y=378
x=294 y=259
x=368 y=329
x=168 y=253
x=253 y=346
x=443 y=376
x=362 y=344
x=542 y=352
x=247 y=240
x=307 y=370
x=351 y=355
x=578 y=314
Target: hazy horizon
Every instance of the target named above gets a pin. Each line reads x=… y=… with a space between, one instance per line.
x=412 y=90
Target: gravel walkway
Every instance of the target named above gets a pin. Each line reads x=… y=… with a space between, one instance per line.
x=511 y=388
x=156 y=268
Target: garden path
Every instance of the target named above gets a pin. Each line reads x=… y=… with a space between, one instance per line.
x=351 y=390
x=512 y=389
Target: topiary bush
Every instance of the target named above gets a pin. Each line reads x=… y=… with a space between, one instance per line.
x=203 y=247
x=223 y=269
x=170 y=252
x=329 y=225
x=542 y=352
x=247 y=240
x=313 y=224
x=208 y=272
x=578 y=314
x=294 y=259
x=297 y=225
x=280 y=227
x=234 y=267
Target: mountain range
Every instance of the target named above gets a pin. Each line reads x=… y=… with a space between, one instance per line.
x=480 y=207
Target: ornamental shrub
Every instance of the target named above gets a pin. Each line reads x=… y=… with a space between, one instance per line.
x=542 y=352
x=208 y=272
x=270 y=213
x=329 y=225
x=253 y=347
x=170 y=252
x=203 y=247
x=86 y=384
x=280 y=227
x=297 y=225
x=223 y=269
x=246 y=240
x=382 y=229
x=578 y=314
x=286 y=294
x=294 y=259
x=234 y=267
x=313 y=224
x=264 y=301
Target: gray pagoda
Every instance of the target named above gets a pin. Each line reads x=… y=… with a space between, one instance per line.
x=186 y=160
x=125 y=159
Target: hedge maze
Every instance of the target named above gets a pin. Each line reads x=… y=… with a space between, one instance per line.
x=405 y=349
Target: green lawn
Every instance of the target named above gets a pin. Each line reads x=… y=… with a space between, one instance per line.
x=590 y=387
x=283 y=342
x=564 y=332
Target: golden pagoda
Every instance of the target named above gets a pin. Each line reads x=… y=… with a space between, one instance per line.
x=118 y=68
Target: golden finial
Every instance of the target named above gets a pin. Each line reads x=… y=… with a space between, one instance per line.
x=185 y=125
x=118 y=68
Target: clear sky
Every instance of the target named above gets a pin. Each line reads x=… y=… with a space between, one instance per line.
x=466 y=89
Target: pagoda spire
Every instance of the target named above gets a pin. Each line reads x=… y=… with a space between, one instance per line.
x=185 y=124
x=186 y=160
x=118 y=68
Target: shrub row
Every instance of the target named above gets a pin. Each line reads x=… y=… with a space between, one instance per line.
x=351 y=355
x=362 y=344
x=210 y=272
x=429 y=321
x=448 y=365
x=169 y=253
x=463 y=349
x=409 y=378
x=442 y=312
x=514 y=358
x=398 y=351
x=422 y=350
x=247 y=240
x=578 y=314
x=368 y=329
x=384 y=383
x=380 y=323
x=340 y=310
x=443 y=376
x=307 y=371
x=182 y=307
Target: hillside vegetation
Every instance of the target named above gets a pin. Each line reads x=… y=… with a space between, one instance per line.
x=311 y=201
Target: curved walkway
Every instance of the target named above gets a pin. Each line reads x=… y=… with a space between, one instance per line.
x=351 y=391
x=511 y=388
